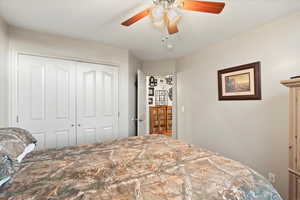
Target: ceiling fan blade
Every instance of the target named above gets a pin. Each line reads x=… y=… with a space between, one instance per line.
x=203 y=6
x=136 y=17
x=172 y=29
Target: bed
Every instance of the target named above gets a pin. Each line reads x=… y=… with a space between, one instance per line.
x=139 y=168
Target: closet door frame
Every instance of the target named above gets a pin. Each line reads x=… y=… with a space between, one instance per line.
x=13 y=63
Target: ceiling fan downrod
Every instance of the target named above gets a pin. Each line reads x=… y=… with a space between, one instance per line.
x=165 y=3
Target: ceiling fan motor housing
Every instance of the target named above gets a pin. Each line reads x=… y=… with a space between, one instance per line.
x=165 y=3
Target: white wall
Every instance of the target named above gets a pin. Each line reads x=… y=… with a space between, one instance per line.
x=165 y=67
x=53 y=45
x=134 y=65
x=253 y=132
x=3 y=74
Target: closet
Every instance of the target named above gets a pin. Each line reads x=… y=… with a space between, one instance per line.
x=294 y=138
x=64 y=103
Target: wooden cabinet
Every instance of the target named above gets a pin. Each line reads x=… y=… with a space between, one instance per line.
x=169 y=121
x=294 y=185
x=161 y=120
x=294 y=138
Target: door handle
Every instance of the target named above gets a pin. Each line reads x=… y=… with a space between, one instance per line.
x=73 y=125
x=140 y=120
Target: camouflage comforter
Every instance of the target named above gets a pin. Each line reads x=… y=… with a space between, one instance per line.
x=140 y=168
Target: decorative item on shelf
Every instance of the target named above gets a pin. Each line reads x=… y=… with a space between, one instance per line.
x=169 y=80
x=170 y=94
x=151 y=92
x=151 y=81
x=240 y=83
x=150 y=101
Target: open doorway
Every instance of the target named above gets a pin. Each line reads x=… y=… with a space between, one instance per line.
x=156 y=104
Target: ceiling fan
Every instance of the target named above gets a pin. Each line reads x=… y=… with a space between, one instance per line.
x=166 y=13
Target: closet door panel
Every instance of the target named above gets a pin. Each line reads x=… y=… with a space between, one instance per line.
x=46 y=100
x=89 y=93
x=37 y=92
x=97 y=106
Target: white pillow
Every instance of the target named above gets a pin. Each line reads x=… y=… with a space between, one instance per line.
x=27 y=150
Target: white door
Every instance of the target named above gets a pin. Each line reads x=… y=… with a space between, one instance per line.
x=46 y=100
x=64 y=103
x=97 y=105
x=141 y=116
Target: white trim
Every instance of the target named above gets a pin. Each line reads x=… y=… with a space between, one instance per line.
x=13 y=78
x=68 y=58
x=174 y=110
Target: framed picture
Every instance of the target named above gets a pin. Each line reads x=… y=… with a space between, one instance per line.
x=161 y=98
x=151 y=81
x=150 y=101
x=240 y=83
x=169 y=80
x=151 y=92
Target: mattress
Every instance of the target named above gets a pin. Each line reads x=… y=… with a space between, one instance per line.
x=138 y=168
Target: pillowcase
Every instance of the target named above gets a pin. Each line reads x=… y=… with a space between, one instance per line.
x=16 y=143
x=6 y=169
x=22 y=134
x=27 y=150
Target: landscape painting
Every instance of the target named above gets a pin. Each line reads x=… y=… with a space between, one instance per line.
x=237 y=83
x=240 y=83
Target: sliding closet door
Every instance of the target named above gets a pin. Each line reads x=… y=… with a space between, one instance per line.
x=97 y=105
x=46 y=100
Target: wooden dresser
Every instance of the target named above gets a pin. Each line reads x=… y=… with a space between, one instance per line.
x=161 y=120
x=294 y=138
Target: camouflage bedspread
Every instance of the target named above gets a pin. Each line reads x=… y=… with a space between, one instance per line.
x=140 y=168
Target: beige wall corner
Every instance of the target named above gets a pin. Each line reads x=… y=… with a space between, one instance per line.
x=3 y=73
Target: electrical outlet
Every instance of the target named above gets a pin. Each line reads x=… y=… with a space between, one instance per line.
x=272 y=177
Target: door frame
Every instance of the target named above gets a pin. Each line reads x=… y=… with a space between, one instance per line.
x=13 y=63
x=174 y=105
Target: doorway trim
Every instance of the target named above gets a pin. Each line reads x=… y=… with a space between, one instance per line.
x=13 y=79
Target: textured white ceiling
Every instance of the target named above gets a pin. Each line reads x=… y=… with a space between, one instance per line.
x=100 y=20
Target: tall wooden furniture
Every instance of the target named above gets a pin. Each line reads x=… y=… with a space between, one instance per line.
x=169 y=121
x=161 y=120
x=294 y=138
